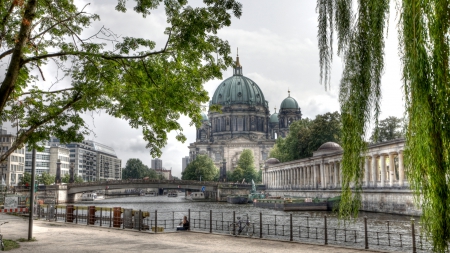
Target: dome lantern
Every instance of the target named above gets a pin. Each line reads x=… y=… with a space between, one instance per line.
x=237 y=68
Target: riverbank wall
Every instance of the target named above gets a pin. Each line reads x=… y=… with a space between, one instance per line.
x=373 y=200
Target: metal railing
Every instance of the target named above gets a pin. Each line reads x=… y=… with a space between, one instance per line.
x=360 y=233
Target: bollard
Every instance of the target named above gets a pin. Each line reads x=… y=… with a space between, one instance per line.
x=101 y=216
x=110 y=210
x=156 y=221
x=413 y=234
x=140 y=219
x=260 y=225
x=275 y=225
x=210 y=221
x=234 y=222
x=56 y=213
x=76 y=217
x=189 y=217
x=325 y=228
x=290 y=228
x=366 y=239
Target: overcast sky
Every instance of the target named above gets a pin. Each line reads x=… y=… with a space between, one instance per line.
x=278 y=50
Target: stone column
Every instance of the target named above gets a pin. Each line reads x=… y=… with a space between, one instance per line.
x=374 y=171
x=401 y=169
x=366 y=171
x=391 y=169
x=334 y=174
x=307 y=175
x=302 y=176
x=314 y=176
x=383 y=169
x=323 y=177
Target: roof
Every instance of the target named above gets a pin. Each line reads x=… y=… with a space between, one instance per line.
x=289 y=103
x=330 y=146
x=274 y=118
x=239 y=89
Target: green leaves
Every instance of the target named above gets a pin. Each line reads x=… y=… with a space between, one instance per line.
x=149 y=88
x=305 y=136
x=135 y=169
x=245 y=169
x=202 y=167
x=424 y=51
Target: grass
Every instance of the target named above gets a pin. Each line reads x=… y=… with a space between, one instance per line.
x=26 y=240
x=10 y=244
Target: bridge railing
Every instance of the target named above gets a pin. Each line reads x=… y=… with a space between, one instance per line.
x=359 y=233
x=174 y=182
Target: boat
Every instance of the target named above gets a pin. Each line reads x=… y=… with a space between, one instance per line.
x=172 y=194
x=237 y=199
x=195 y=196
x=151 y=194
x=91 y=196
x=299 y=204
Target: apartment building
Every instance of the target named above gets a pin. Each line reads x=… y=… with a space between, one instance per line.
x=13 y=168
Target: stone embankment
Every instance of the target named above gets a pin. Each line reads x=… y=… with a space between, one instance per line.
x=64 y=237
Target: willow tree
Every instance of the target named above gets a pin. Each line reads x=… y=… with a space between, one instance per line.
x=54 y=68
x=424 y=52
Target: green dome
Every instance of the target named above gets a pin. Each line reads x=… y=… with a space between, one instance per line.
x=289 y=103
x=204 y=117
x=238 y=89
x=274 y=118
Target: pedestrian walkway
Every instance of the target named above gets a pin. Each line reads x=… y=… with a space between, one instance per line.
x=63 y=237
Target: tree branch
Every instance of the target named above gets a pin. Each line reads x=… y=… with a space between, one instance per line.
x=106 y=57
x=4 y=20
x=48 y=92
x=16 y=59
x=22 y=138
x=57 y=23
x=7 y=52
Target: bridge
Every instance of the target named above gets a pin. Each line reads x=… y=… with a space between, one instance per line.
x=69 y=193
x=148 y=183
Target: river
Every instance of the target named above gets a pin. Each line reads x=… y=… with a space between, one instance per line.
x=385 y=231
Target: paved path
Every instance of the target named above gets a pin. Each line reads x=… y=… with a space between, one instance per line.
x=61 y=237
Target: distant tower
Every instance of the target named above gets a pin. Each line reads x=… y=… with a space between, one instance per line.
x=289 y=112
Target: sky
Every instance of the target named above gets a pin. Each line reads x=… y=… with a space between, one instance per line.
x=277 y=43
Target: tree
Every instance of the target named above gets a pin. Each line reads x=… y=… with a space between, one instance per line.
x=76 y=178
x=202 y=167
x=424 y=52
x=26 y=179
x=135 y=169
x=245 y=167
x=126 y=77
x=390 y=128
x=306 y=136
x=46 y=179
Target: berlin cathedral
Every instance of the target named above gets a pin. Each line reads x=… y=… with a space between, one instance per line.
x=244 y=123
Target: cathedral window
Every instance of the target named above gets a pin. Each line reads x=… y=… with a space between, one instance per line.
x=240 y=124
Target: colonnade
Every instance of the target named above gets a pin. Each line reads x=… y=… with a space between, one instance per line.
x=321 y=175
x=382 y=167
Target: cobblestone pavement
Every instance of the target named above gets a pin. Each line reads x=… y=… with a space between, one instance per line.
x=61 y=237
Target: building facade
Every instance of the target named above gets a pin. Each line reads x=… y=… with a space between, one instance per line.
x=94 y=161
x=184 y=163
x=157 y=164
x=244 y=122
x=13 y=168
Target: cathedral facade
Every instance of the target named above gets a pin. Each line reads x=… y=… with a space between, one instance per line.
x=244 y=122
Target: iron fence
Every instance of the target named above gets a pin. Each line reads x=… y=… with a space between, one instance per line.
x=360 y=233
